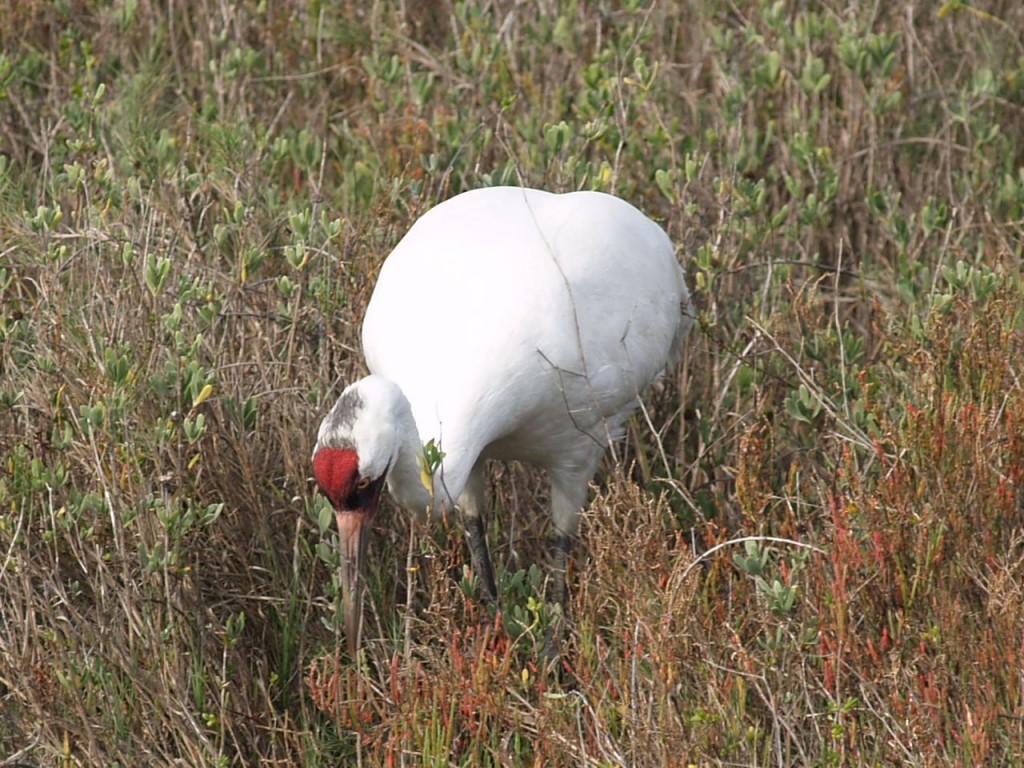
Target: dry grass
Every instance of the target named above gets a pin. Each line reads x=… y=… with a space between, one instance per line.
x=193 y=205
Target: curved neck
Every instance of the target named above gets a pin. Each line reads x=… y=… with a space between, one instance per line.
x=408 y=482
x=405 y=476
x=407 y=479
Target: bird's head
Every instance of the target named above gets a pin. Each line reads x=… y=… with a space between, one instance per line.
x=355 y=447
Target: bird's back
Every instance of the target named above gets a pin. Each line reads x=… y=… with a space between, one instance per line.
x=525 y=323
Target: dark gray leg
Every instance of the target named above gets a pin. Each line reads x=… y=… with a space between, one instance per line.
x=567 y=497
x=560 y=602
x=471 y=506
x=559 y=570
x=568 y=493
x=479 y=557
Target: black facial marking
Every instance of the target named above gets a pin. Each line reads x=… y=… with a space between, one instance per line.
x=365 y=497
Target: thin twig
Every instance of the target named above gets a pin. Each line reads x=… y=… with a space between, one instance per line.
x=771 y=539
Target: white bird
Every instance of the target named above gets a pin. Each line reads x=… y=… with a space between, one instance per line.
x=508 y=323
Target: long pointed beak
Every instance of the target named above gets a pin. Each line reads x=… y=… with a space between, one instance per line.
x=352 y=534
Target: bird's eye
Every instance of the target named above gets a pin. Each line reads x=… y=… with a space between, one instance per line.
x=362 y=483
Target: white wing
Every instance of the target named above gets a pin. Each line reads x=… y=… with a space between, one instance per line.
x=507 y=312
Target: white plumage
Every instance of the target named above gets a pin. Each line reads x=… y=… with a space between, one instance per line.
x=508 y=324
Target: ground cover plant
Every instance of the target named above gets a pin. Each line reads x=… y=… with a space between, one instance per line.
x=809 y=549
